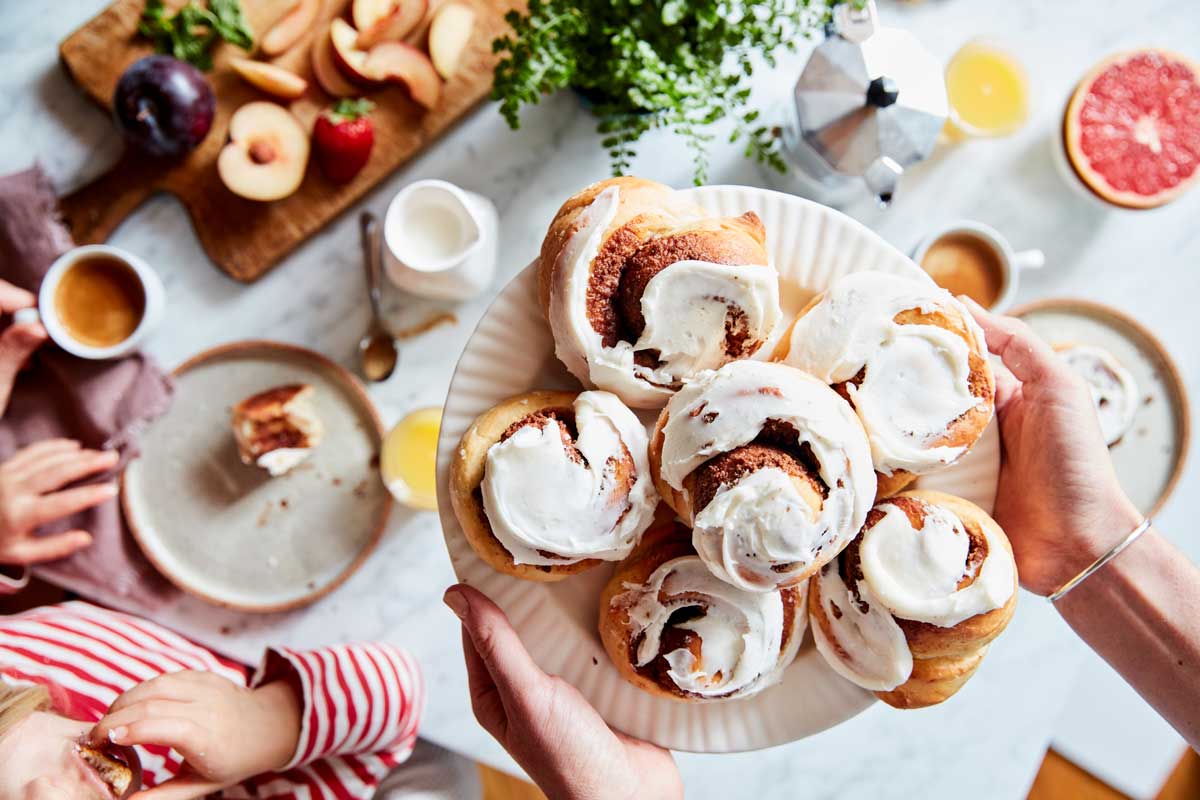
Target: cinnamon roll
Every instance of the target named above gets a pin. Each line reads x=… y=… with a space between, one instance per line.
x=644 y=290
x=770 y=468
x=910 y=359
x=1114 y=391
x=910 y=606
x=675 y=630
x=548 y=484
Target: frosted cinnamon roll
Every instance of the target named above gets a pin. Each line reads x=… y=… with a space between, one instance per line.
x=1114 y=391
x=644 y=290
x=548 y=484
x=675 y=630
x=909 y=607
x=909 y=358
x=770 y=468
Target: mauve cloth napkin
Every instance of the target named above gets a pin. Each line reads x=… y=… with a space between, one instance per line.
x=103 y=404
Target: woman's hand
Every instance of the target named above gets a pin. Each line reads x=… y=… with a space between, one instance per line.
x=225 y=732
x=31 y=495
x=17 y=342
x=1058 y=500
x=545 y=723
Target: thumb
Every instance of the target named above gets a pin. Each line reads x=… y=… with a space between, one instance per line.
x=17 y=343
x=1025 y=353
x=185 y=787
x=497 y=645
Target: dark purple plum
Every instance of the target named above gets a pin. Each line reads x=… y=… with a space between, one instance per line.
x=164 y=106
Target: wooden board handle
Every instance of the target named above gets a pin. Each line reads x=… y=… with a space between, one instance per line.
x=92 y=212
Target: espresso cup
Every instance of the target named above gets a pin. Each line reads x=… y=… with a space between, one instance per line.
x=97 y=302
x=996 y=254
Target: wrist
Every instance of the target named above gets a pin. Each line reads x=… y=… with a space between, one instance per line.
x=1103 y=530
x=280 y=713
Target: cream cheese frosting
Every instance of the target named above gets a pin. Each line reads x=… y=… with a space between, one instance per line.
x=1114 y=391
x=751 y=529
x=915 y=572
x=871 y=649
x=743 y=644
x=685 y=307
x=916 y=380
x=540 y=499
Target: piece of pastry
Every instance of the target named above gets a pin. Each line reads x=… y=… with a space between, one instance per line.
x=770 y=468
x=643 y=290
x=909 y=607
x=278 y=428
x=548 y=484
x=1114 y=391
x=116 y=774
x=675 y=630
x=910 y=359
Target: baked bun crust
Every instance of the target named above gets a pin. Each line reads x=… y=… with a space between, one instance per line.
x=632 y=582
x=943 y=657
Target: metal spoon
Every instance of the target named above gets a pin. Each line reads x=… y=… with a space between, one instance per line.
x=377 y=348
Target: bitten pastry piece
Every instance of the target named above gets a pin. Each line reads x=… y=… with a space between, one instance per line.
x=1114 y=391
x=675 y=630
x=909 y=607
x=115 y=773
x=644 y=290
x=770 y=468
x=278 y=428
x=548 y=484
x=909 y=358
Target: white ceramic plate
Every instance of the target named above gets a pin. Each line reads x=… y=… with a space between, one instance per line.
x=227 y=532
x=511 y=351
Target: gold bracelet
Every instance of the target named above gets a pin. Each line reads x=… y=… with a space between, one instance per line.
x=1101 y=561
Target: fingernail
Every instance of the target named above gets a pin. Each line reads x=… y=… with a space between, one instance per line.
x=117 y=734
x=456 y=602
x=110 y=489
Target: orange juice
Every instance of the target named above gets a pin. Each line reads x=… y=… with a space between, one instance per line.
x=988 y=91
x=409 y=459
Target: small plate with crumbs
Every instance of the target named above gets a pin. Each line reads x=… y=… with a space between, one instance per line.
x=277 y=527
x=1149 y=446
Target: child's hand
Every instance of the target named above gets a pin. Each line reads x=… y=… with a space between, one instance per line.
x=32 y=495
x=225 y=733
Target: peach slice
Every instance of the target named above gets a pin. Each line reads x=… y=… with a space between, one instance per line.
x=294 y=24
x=271 y=78
x=347 y=54
x=325 y=68
x=403 y=63
x=403 y=17
x=267 y=152
x=449 y=34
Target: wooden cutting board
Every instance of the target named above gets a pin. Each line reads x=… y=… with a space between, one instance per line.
x=246 y=238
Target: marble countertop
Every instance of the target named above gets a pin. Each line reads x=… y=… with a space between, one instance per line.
x=1038 y=684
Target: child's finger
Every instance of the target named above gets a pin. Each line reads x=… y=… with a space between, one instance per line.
x=67 y=467
x=185 y=735
x=39 y=549
x=30 y=454
x=172 y=686
x=114 y=725
x=52 y=507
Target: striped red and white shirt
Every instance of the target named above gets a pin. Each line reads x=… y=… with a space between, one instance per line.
x=361 y=702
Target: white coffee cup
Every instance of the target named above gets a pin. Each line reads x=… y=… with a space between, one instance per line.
x=1011 y=262
x=48 y=314
x=440 y=241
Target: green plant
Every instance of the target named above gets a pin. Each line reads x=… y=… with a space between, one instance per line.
x=681 y=65
x=191 y=32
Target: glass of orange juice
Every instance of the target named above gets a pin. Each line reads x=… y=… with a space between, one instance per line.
x=987 y=89
x=409 y=459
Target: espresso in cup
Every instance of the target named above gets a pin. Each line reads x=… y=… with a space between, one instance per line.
x=963 y=263
x=100 y=301
x=971 y=258
x=97 y=301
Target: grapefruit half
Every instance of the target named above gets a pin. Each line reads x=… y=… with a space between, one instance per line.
x=1132 y=128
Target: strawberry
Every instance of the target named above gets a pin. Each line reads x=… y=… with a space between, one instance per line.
x=344 y=136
